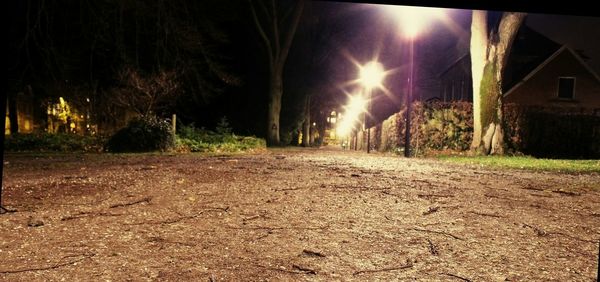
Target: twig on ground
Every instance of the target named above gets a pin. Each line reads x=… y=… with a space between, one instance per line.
x=566 y=193
x=406 y=266
x=281 y=269
x=313 y=253
x=457 y=277
x=499 y=197
x=304 y=269
x=85 y=256
x=486 y=214
x=438 y=232
x=540 y=232
x=359 y=188
x=276 y=228
x=432 y=248
x=431 y=210
x=140 y=201
x=89 y=214
x=434 y=196
x=289 y=189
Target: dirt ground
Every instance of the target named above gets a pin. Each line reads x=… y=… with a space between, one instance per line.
x=301 y=214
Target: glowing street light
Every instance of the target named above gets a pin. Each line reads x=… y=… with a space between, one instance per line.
x=371 y=76
x=355 y=107
x=412 y=20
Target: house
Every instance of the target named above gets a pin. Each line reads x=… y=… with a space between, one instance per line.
x=562 y=80
x=539 y=72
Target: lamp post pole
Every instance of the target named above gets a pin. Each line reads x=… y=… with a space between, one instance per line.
x=409 y=99
x=366 y=125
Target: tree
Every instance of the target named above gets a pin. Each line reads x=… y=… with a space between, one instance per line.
x=146 y=94
x=490 y=48
x=277 y=32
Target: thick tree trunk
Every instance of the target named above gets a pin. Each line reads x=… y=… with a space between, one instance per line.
x=306 y=125
x=12 y=113
x=488 y=59
x=275 y=93
x=478 y=55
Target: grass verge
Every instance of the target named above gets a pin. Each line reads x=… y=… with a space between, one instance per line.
x=528 y=163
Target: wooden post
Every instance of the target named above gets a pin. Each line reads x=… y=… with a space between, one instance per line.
x=174 y=125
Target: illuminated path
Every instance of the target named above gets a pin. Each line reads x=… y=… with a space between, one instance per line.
x=293 y=214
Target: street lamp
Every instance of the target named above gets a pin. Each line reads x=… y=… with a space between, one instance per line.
x=412 y=20
x=371 y=76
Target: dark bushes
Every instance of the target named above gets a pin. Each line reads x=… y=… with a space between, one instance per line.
x=59 y=142
x=550 y=132
x=553 y=132
x=144 y=134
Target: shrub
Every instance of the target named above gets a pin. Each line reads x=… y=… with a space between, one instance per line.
x=59 y=142
x=191 y=139
x=144 y=134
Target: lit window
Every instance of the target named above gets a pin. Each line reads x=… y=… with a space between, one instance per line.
x=566 y=87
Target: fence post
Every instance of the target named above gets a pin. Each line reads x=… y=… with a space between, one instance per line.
x=174 y=125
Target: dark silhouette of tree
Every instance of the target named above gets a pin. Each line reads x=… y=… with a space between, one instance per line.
x=276 y=22
x=73 y=48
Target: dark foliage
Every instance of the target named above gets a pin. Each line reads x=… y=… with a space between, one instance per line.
x=553 y=132
x=144 y=134
x=47 y=142
x=548 y=132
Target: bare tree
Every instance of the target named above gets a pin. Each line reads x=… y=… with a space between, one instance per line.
x=277 y=32
x=146 y=94
x=490 y=48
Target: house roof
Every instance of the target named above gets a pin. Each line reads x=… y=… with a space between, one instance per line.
x=564 y=48
x=529 y=49
x=449 y=67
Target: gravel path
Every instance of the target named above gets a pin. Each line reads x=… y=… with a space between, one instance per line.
x=293 y=214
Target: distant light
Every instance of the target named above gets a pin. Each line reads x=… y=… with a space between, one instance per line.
x=413 y=20
x=372 y=74
x=314 y=123
x=355 y=107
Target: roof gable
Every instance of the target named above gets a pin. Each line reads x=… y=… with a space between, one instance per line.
x=564 y=48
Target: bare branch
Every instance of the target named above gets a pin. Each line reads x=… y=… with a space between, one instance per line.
x=275 y=23
x=262 y=33
x=289 y=36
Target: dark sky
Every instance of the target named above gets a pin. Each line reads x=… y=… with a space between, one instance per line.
x=579 y=33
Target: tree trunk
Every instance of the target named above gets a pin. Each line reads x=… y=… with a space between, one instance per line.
x=275 y=93
x=488 y=59
x=306 y=125
x=12 y=113
x=277 y=46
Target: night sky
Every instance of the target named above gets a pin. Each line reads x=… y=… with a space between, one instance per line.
x=330 y=37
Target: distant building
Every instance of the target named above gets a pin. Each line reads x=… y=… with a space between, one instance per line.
x=539 y=72
x=562 y=80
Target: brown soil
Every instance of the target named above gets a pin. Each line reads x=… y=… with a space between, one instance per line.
x=314 y=214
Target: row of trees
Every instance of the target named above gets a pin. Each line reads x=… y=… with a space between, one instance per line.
x=154 y=56
x=134 y=54
x=491 y=41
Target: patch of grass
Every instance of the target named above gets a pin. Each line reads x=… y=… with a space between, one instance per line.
x=529 y=163
x=191 y=139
